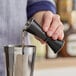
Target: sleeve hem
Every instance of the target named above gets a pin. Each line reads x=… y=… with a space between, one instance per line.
x=40 y=6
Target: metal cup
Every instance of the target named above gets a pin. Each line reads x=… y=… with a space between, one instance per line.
x=19 y=60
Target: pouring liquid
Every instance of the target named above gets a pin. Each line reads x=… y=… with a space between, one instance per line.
x=23 y=41
x=25 y=64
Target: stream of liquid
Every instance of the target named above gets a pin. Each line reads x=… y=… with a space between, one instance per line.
x=23 y=41
x=30 y=73
x=26 y=69
x=23 y=45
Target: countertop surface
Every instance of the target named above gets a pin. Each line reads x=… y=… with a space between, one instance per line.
x=55 y=63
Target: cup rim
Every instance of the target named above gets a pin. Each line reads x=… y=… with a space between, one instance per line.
x=19 y=46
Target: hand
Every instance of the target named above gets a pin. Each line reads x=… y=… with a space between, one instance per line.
x=51 y=24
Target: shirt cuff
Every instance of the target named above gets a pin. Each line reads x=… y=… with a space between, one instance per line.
x=40 y=6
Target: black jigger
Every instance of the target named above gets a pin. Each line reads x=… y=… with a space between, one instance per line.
x=34 y=28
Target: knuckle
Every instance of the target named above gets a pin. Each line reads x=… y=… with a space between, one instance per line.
x=62 y=26
x=49 y=14
x=63 y=34
x=58 y=16
x=51 y=29
x=56 y=32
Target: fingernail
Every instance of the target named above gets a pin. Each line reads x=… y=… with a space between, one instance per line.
x=45 y=29
x=54 y=37
x=49 y=33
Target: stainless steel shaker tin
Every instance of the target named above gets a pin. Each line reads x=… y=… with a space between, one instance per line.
x=27 y=53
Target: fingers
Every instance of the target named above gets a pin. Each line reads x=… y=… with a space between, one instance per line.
x=47 y=19
x=61 y=36
x=58 y=34
x=53 y=26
